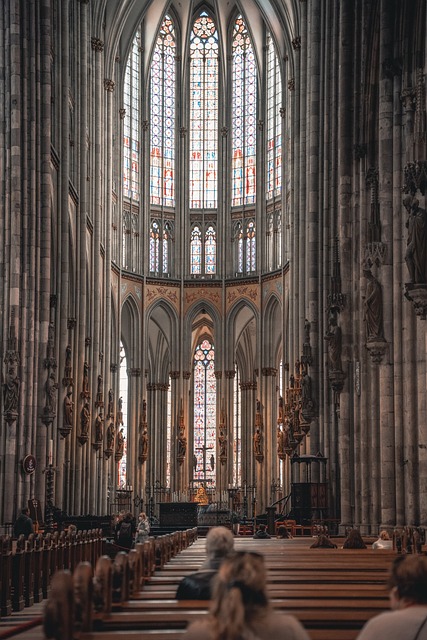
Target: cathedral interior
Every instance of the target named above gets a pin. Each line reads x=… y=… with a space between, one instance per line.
x=213 y=257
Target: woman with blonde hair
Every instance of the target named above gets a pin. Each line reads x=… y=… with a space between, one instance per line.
x=240 y=608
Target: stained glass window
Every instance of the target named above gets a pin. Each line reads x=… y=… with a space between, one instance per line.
x=274 y=126
x=196 y=251
x=123 y=394
x=204 y=414
x=131 y=94
x=162 y=118
x=168 y=433
x=210 y=250
x=166 y=246
x=154 y=247
x=157 y=258
x=250 y=248
x=237 y=428
x=244 y=116
x=203 y=113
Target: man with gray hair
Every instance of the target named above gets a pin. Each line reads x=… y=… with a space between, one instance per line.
x=197 y=586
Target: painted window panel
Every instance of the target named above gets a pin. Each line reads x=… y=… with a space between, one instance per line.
x=204 y=414
x=162 y=117
x=203 y=179
x=244 y=117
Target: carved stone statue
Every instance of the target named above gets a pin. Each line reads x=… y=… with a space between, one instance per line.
x=222 y=441
x=182 y=444
x=85 y=389
x=120 y=444
x=334 y=338
x=143 y=443
x=50 y=388
x=416 y=249
x=258 y=443
x=99 y=428
x=85 y=419
x=373 y=308
x=280 y=435
x=111 y=434
x=99 y=394
x=306 y=389
x=11 y=389
x=68 y=409
x=110 y=403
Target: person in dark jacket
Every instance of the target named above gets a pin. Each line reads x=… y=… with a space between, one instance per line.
x=197 y=586
x=262 y=532
x=23 y=524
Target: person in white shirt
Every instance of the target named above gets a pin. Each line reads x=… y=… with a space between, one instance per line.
x=383 y=541
x=408 y=601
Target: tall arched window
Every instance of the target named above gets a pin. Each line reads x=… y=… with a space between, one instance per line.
x=154 y=247
x=274 y=122
x=162 y=117
x=210 y=250
x=250 y=247
x=196 y=251
x=123 y=394
x=204 y=113
x=204 y=414
x=243 y=116
x=237 y=431
x=131 y=139
x=168 y=432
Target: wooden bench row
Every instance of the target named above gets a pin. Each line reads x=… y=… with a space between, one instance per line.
x=119 y=608
x=26 y=570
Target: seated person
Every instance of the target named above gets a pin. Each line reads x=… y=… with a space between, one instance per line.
x=323 y=542
x=283 y=532
x=23 y=524
x=383 y=541
x=240 y=607
x=261 y=532
x=408 y=601
x=354 y=540
x=197 y=586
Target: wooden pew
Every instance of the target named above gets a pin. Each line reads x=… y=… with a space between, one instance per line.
x=5 y=575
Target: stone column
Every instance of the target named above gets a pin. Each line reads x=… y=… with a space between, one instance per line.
x=385 y=153
x=345 y=53
x=109 y=86
x=97 y=215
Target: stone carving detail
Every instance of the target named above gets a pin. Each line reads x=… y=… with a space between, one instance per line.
x=334 y=338
x=110 y=410
x=111 y=436
x=120 y=445
x=99 y=394
x=415 y=177
x=67 y=424
x=67 y=380
x=51 y=387
x=182 y=440
x=85 y=393
x=84 y=424
x=222 y=438
x=416 y=248
x=12 y=383
x=258 y=438
x=143 y=435
x=99 y=431
x=11 y=391
x=373 y=308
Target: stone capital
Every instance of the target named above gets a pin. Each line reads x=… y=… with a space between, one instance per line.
x=97 y=44
x=109 y=84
